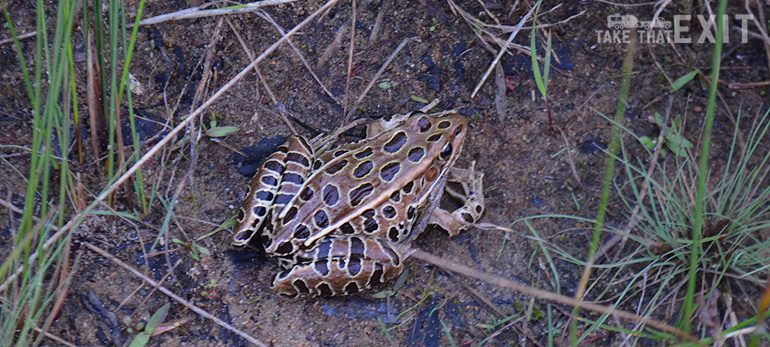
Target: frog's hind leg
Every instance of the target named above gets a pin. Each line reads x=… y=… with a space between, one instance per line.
x=340 y=265
x=472 y=198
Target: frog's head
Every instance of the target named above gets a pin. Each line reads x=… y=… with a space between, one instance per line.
x=441 y=136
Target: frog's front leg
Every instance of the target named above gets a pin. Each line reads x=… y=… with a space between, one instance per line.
x=340 y=265
x=272 y=187
x=472 y=198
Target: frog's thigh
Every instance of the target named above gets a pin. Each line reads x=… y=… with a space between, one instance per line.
x=472 y=198
x=340 y=265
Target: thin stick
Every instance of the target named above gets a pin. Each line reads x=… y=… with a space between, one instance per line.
x=160 y=284
x=171 y=294
x=542 y=294
x=197 y=12
x=502 y=51
x=350 y=60
x=377 y=76
x=651 y=3
x=269 y=18
x=378 y=21
x=54 y=337
x=19 y=37
x=190 y=13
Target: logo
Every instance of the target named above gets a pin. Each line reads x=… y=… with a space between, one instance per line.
x=661 y=30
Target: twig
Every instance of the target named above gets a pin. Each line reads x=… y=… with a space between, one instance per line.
x=171 y=294
x=502 y=51
x=19 y=37
x=349 y=73
x=54 y=337
x=332 y=47
x=190 y=13
x=651 y=3
x=377 y=76
x=570 y=159
x=378 y=21
x=500 y=101
x=663 y=4
x=508 y=28
x=94 y=95
x=26 y=240
x=494 y=309
x=505 y=327
x=160 y=284
x=760 y=27
x=198 y=12
x=64 y=286
x=748 y=85
x=301 y=57
x=542 y=294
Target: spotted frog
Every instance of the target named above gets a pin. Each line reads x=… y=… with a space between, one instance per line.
x=341 y=219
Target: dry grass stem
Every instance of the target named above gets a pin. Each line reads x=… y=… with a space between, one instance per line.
x=502 y=50
x=332 y=47
x=491 y=31
x=176 y=298
x=501 y=103
x=94 y=95
x=762 y=29
x=160 y=284
x=542 y=294
x=19 y=37
x=349 y=73
x=200 y=11
x=494 y=308
x=246 y=48
x=570 y=159
x=505 y=327
x=651 y=3
x=299 y=54
x=279 y=106
x=384 y=5
x=662 y=5
x=54 y=337
x=189 y=13
x=377 y=76
x=208 y=61
x=64 y=285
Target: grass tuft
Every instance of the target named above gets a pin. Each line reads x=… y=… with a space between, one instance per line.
x=35 y=275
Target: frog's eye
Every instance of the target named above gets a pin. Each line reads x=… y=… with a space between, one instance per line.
x=446 y=152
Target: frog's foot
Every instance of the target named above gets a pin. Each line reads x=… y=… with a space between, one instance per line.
x=472 y=198
x=340 y=265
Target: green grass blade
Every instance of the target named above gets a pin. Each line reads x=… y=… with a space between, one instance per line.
x=687 y=306
x=681 y=81
x=547 y=63
x=533 y=54
x=609 y=171
x=20 y=56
